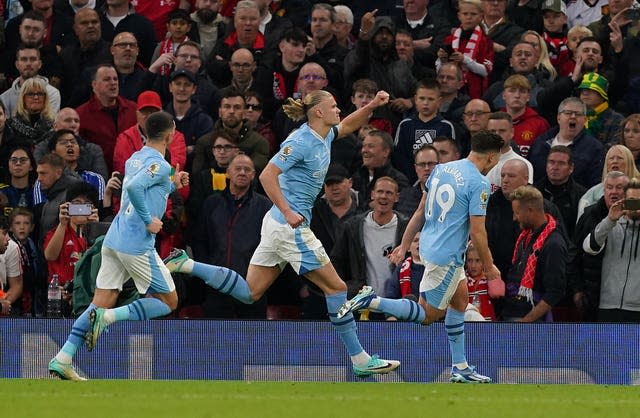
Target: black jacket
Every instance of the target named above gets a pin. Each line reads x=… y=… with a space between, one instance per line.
x=348 y=255
x=565 y=197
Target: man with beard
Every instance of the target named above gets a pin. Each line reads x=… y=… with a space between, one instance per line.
x=89 y=52
x=588 y=59
x=31 y=32
x=375 y=57
x=537 y=278
x=588 y=152
x=119 y=16
x=207 y=25
x=250 y=142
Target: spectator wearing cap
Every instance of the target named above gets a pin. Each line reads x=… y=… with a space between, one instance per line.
x=603 y=123
x=375 y=57
x=106 y=114
x=119 y=16
x=555 y=33
x=527 y=123
x=338 y=203
x=188 y=56
x=178 y=26
x=189 y=117
x=134 y=138
x=246 y=21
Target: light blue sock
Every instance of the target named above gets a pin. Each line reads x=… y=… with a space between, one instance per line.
x=346 y=326
x=76 y=337
x=141 y=309
x=224 y=280
x=454 y=324
x=403 y=309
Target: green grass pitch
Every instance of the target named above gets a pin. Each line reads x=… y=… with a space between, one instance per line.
x=239 y=399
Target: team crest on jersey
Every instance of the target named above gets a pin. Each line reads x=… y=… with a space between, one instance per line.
x=286 y=152
x=153 y=169
x=484 y=198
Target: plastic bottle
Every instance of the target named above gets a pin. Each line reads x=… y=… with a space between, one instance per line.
x=54 y=298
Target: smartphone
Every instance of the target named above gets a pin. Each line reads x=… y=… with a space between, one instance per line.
x=632 y=14
x=448 y=49
x=631 y=204
x=80 y=209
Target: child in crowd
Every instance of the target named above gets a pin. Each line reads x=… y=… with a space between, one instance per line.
x=481 y=291
x=420 y=129
x=178 y=26
x=469 y=47
x=555 y=35
x=574 y=36
x=364 y=90
x=34 y=269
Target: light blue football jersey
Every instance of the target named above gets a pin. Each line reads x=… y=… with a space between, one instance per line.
x=457 y=190
x=145 y=189
x=304 y=159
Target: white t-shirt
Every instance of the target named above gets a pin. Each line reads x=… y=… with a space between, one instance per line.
x=10 y=264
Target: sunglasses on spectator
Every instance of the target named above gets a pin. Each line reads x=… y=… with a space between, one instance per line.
x=250 y=106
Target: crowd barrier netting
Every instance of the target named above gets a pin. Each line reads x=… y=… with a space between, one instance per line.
x=312 y=351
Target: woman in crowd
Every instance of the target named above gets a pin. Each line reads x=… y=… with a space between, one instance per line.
x=34 y=116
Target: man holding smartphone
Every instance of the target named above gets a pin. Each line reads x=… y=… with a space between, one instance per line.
x=618 y=235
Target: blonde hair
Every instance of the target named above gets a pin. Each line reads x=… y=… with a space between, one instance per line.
x=476 y=3
x=33 y=84
x=580 y=29
x=528 y=196
x=630 y=169
x=543 y=60
x=297 y=109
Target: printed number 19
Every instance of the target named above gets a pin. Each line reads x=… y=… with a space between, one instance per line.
x=438 y=195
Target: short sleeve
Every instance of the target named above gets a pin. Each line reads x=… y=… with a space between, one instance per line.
x=12 y=260
x=479 y=197
x=290 y=153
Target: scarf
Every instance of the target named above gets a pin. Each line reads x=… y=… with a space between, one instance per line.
x=470 y=47
x=593 y=124
x=405 y=277
x=167 y=46
x=529 y=275
x=33 y=134
x=558 y=49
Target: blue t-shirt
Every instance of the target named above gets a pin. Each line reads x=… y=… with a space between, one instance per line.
x=304 y=159
x=457 y=190
x=145 y=189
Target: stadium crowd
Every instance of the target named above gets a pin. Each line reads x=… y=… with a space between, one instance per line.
x=559 y=82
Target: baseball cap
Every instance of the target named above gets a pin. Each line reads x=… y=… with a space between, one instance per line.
x=336 y=173
x=557 y=6
x=179 y=14
x=149 y=99
x=183 y=73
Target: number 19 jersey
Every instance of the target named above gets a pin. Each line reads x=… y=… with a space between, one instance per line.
x=457 y=190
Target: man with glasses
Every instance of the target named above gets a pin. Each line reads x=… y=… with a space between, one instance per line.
x=475 y=118
x=342 y=27
x=587 y=152
x=247 y=76
x=425 y=160
x=119 y=16
x=131 y=74
x=28 y=64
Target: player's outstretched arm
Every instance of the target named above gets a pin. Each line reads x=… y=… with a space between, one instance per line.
x=413 y=227
x=356 y=119
x=271 y=186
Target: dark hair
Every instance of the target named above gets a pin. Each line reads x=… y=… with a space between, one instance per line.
x=223 y=133
x=484 y=142
x=82 y=189
x=387 y=141
x=34 y=15
x=53 y=140
x=294 y=34
x=253 y=93
x=429 y=84
x=404 y=32
x=634 y=183
x=232 y=92
x=4 y=223
x=23 y=47
x=365 y=85
x=590 y=39
x=157 y=125
x=98 y=67
x=562 y=149
x=189 y=43
x=325 y=6
x=449 y=140
x=54 y=160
